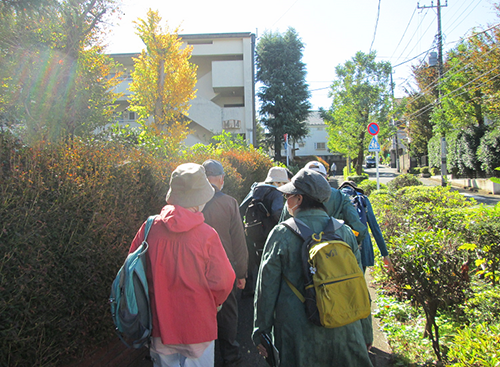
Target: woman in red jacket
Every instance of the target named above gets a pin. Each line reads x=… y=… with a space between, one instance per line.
x=189 y=274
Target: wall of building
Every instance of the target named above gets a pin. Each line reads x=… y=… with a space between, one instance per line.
x=225 y=97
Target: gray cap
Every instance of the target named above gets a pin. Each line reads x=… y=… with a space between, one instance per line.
x=213 y=167
x=310 y=183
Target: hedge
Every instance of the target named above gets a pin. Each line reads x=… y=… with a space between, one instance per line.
x=69 y=213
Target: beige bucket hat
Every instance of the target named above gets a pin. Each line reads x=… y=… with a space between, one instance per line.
x=189 y=186
x=277 y=174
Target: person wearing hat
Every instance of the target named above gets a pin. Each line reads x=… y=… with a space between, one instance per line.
x=278 y=310
x=340 y=207
x=267 y=193
x=222 y=213
x=188 y=272
x=352 y=191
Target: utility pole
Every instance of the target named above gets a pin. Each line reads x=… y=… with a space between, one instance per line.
x=440 y=75
x=395 y=138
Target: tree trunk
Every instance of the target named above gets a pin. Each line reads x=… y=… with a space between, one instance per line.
x=431 y=328
x=158 y=114
x=277 y=148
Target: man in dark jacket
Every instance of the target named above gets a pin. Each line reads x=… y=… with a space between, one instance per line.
x=222 y=213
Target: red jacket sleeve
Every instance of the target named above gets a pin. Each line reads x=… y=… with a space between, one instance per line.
x=220 y=274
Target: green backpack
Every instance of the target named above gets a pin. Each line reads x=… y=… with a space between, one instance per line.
x=335 y=288
x=129 y=299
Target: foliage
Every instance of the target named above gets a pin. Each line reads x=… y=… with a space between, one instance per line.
x=476 y=345
x=488 y=151
x=424 y=170
x=420 y=208
x=428 y=270
x=163 y=80
x=428 y=232
x=403 y=180
x=484 y=304
x=495 y=179
x=361 y=95
x=69 y=212
x=358 y=179
x=242 y=163
x=420 y=128
x=284 y=104
x=55 y=78
x=369 y=186
x=435 y=171
x=483 y=233
x=403 y=324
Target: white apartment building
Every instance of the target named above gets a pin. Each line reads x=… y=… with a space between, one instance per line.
x=225 y=97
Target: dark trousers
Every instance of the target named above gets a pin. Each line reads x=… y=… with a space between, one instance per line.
x=227 y=322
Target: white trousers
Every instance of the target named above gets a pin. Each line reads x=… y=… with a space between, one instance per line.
x=178 y=360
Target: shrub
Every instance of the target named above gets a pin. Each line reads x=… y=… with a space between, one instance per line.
x=369 y=186
x=424 y=170
x=69 y=212
x=420 y=208
x=484 y=234
x=358 y=179
x=476 y=345
x=435 y=171
x=484 y=305
x=428 y=271
x=403 y=180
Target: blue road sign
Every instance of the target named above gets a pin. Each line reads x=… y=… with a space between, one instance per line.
x=374 y=145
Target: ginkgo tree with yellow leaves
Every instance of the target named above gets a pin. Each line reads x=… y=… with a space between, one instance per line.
x=163 y=80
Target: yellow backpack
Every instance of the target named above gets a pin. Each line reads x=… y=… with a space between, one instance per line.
x=335 y=288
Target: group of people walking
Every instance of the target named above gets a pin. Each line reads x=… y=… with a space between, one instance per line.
x=199 y=258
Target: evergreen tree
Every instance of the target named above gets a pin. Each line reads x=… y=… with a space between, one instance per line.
x=284 y=96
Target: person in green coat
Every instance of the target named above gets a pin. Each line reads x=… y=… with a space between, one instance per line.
x=278 y=311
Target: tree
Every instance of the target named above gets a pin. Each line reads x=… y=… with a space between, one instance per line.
x=163 y=80
x=56 y=80
x=284 y=96
x=361 y=95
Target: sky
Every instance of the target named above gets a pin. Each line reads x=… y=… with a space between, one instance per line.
x=400 y=31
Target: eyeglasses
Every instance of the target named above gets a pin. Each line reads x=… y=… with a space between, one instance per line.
x=287 y=196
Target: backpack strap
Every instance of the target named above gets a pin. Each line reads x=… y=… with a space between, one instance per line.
x=295 y=290
x=298 y=227
x=149 y=224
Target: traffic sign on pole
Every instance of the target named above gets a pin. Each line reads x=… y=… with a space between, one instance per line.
x=373 y=128
x=374 y=145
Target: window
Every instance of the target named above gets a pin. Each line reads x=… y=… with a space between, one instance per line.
x=320 y=146
x=131 y=115
x=301 y=144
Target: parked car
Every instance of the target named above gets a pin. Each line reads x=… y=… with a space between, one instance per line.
x=370 y=162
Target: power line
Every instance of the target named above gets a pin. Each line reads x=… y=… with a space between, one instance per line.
x=407 y=26
x=376 y=25
x=296 y=1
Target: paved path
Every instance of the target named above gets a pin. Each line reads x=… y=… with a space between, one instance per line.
x=380 y=353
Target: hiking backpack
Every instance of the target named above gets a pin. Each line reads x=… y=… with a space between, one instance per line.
x=359 y=202
x=255 y=216
x=335 y=288
x=129 y=299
